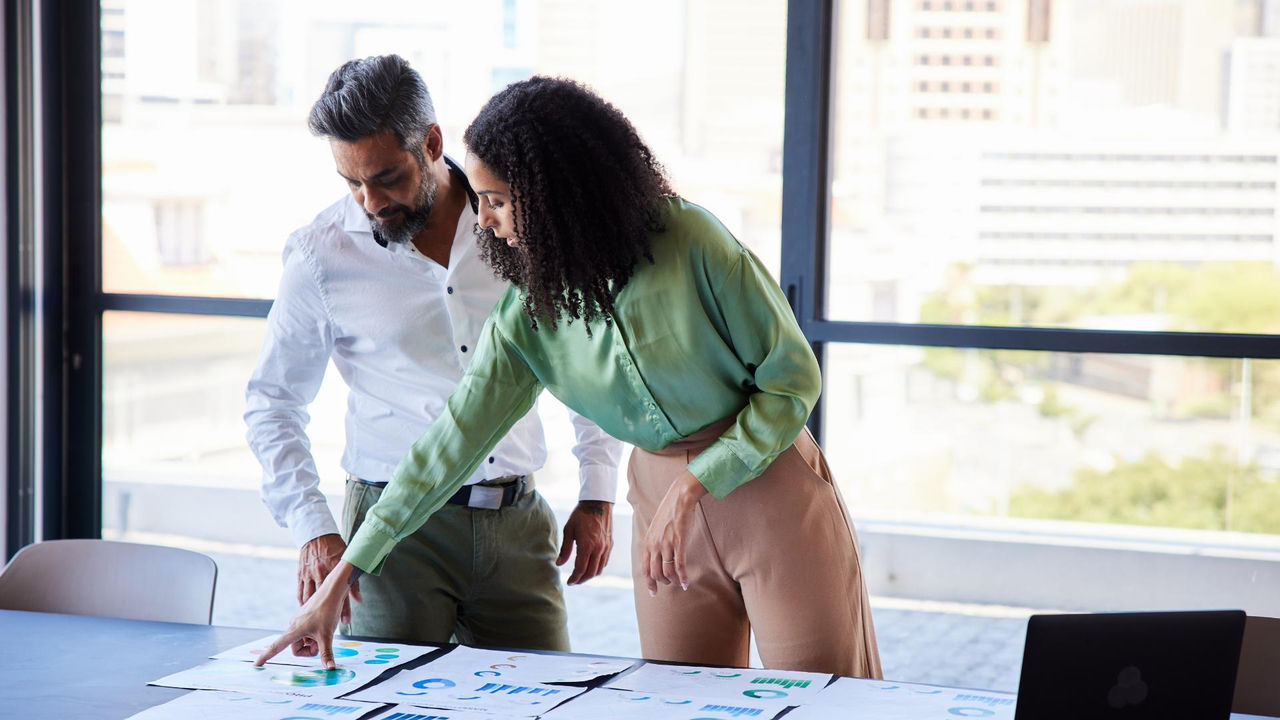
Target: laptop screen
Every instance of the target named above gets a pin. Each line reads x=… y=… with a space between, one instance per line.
x=1135 y=666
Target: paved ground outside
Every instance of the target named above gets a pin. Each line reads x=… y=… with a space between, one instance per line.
x=977 y=646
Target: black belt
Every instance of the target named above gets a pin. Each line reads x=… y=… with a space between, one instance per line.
x=486 y=497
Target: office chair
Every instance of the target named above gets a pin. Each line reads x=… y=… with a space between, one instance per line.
x=1258 y=679
x=111 y=579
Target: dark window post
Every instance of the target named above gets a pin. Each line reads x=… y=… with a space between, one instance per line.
x=806 y=167
x=70 y=282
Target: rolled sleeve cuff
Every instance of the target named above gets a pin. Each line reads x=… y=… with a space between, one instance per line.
x=599 y=482
x=369 y=549
x=719 y=470
x=310 y=522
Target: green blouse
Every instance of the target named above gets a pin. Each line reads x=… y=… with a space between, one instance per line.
x=702 y=333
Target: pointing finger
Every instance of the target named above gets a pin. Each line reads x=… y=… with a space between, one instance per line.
x=274 y=649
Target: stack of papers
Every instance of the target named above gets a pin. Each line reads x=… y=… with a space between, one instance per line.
x=395 y=681
x=373 y=682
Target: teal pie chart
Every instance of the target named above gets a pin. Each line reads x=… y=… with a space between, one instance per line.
x=764 y=694
x=313 y=677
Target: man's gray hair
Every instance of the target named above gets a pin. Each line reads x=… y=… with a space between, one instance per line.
x=373 y=95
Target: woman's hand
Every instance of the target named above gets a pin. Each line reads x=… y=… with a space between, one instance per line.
x=664 y=542
x=311 y=630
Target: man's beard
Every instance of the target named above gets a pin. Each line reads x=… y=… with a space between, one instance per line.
x=401 y=223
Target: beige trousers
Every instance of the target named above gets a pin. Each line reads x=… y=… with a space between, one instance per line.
x=777 y=556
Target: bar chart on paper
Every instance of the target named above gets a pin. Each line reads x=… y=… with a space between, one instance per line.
x=775 y=688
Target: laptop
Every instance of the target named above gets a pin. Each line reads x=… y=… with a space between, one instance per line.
x=1130 y=666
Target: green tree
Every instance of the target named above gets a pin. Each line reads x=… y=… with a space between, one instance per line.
x=1152 y=491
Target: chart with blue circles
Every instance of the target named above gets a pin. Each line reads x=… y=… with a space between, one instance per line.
x=346 y=653
x=507 y=681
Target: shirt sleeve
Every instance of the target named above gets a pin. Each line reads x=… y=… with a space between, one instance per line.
x=496 y=391
x=291 y=365
x=769 y=343
x=598 y=454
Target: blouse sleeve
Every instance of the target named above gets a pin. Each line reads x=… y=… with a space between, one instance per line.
x=495 y=392
x=770 y=345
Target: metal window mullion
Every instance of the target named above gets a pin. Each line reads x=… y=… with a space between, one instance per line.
x=80 y=236
x=19 y=275
x=806 y=168
x=1228 y=345
x=183 y=304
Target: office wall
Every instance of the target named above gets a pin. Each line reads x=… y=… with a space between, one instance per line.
x=1075 y=568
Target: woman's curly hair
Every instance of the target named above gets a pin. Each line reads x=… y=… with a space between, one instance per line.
x=587 y=195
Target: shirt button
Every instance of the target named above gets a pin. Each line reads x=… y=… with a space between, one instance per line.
x=464 y=348
x=652 y=406
x=449 y=290
x=490 y=460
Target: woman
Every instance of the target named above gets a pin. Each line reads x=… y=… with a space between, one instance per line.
x=641 y=312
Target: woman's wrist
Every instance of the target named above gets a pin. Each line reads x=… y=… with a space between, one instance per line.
x=336 y=583
x=691 y=489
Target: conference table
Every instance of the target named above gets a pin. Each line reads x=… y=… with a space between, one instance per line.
x=75 y=666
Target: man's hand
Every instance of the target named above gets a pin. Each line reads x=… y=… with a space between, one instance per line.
x=316 y=560
x=590 y=525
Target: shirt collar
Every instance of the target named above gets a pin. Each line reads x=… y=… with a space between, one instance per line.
x=355 y=221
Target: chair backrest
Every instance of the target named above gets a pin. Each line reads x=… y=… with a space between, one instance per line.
x=111 y=579
x=1258 y=679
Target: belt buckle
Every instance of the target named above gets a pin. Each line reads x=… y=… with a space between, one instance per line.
x=485 y=497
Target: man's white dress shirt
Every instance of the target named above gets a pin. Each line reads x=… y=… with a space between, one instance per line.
x=400 y=329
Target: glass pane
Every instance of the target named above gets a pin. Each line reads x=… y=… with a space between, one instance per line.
x=208 y=165
x=1092 y=164
x=176 y=468
x=953 y=434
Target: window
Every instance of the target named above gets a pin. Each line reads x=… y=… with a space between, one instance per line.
x=1021 y=230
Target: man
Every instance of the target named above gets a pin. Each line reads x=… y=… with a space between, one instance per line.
x=389 y=284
